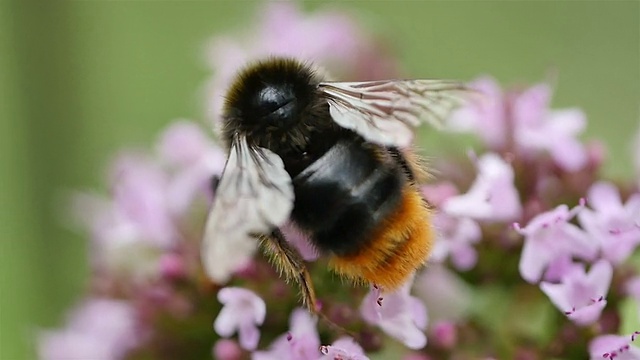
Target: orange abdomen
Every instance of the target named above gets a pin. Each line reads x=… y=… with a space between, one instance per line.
x=398 y=247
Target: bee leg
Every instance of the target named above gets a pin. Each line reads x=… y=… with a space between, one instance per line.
x=290 y=263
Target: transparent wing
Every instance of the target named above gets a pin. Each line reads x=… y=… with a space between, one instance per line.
x=387 y=111
x=254 y=196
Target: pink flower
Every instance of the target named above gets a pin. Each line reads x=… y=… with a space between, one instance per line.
x=559 y=267
x=581 y=295
x=301 y=242
x=300 y=343
x=243 y=310
x=139 y=187
x=616 y=227
x=130 y=231
x=284 y=30
x=536 y=128
x=98 y=329
x=610 y=347
x=193 y=160
x=343 y=349
x=439 y=193
x=416 y=356
x=445 y=334
x=172 y=266
x=446 y=295
x=183 y=142
x=548 y=237
x=492 y=196
x=226 y=349
x=398 y=314
x=524 y=119
x=485 y=115
x=456 y=236
x=139 y=209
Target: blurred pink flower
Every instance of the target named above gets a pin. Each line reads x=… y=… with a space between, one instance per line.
x=285 y=30
x=149 y=194
x=300 y=343
x=226 y=349
x=455 y=239
x=416 y=356
x=548 y=237
x=485 y=115
x=301 y=242
x=194 y=159
x=183 y=142
x=172 y=266
x=398 y=314
x=492 y=196
x=615 y=226
x=343 y=349
x=98 y=329
x=580 y=295
x=243 y=310
x=525 y=119
x=129 y=231
x=438 y=193
x=137 y=217
x=559 y=267
x=557 y=135
x=445 y=334
x=139 y=187
x=610 y=347
x=537 y=128
x=456 y=236
x=446 y=295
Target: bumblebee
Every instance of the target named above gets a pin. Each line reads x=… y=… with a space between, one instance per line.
x=334 y=159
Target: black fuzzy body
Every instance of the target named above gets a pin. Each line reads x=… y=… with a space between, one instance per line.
x=344 y=187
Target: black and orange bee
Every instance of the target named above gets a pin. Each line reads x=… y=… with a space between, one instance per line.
x=333 y=158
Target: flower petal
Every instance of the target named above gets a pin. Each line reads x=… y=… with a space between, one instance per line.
x=533 y=260
x=249 y=335
x=600 y=276
x=604 y=197
x=569 y=154
x=225 y=324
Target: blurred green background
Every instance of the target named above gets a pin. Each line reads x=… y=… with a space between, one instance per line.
x=81 y=79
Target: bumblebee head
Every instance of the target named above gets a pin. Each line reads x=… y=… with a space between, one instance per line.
x=269 y=96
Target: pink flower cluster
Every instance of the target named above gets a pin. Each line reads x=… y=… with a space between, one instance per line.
x=528 y=214
x=519 y=129
x=139 y=249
